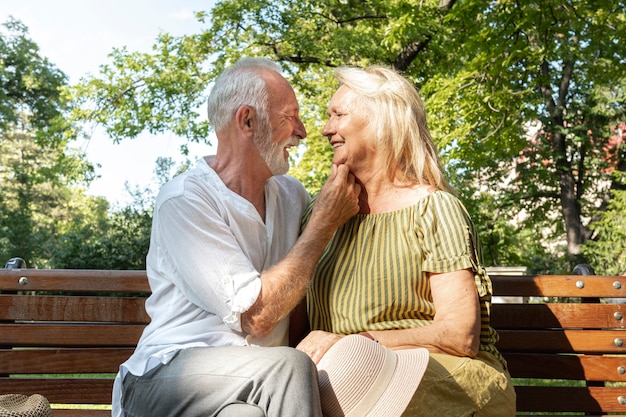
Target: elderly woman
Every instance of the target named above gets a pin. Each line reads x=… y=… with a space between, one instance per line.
x=406 y=271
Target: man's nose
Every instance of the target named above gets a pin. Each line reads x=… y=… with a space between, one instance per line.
x=299 y=129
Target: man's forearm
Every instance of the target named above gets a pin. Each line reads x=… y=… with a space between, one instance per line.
x=284 y=285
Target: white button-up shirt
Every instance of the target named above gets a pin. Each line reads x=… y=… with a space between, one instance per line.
x=208 y=247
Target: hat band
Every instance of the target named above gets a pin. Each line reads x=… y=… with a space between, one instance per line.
x=378 y=387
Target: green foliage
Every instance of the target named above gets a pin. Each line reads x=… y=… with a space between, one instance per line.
x=116 y=238
x=36 y=191
x=521 y=97
x=45 y=216
x=29 y=86
x=607 y=251
x=119 y=240
x=148 y=92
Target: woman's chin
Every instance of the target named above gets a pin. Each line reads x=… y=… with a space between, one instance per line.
x=338 y=160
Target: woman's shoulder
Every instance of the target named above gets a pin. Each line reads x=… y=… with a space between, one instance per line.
x=443 y=202
x=444 y=197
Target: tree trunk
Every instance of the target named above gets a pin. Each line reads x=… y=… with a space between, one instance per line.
x=575 y=232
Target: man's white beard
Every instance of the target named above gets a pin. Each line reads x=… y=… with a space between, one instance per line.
x=272 y=153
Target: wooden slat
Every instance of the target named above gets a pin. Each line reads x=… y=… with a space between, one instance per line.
x=63 y=391
x=81 y=413
x=62 y=361
x=559 y=286
x=575 y=367
x=74 y=308
x=69 y=335
x=562 y=341
x=73 y=280
x=553 y=315
x=562 y=399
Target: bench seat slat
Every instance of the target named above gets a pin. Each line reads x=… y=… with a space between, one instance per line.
x=575 y=367
x=63 y=391
x=62 y=361
x=558 y=286
x=69 y=335
x=564 y=399
x=75 y=308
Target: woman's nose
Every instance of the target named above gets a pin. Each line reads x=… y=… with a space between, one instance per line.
x=327 y=130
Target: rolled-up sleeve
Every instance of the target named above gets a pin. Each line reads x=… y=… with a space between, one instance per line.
x=241 y=292
x=201 y=248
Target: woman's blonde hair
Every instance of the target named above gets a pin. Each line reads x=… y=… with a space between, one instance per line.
x=396 y=115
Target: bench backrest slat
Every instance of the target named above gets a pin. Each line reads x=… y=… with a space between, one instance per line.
x=73 y=309
x=62 y=361
x=559 y=286
x=566 y=315
x=561 y=341
x=575 y=367
x=569 y=399
x=67 y=391
x=73 y=280
x=69 y=335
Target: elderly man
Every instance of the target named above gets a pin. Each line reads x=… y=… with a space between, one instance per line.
x=227 y=264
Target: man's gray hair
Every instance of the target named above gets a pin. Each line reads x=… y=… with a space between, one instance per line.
x=240 y=85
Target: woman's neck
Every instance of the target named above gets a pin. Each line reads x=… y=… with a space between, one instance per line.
x=381 y=195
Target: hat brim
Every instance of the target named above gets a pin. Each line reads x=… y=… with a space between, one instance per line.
x=361 y=378
x=410 y=369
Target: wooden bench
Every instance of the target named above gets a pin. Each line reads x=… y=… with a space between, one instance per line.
x=62 y=336
x=61 y=324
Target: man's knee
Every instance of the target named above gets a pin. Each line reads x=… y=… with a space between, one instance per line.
x=295 y=359
x=241 y=410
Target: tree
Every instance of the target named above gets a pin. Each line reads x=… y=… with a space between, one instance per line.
x=117 y=239
x=45 y=216
x=543 y=63
x=30 y=96
x=148 y=92
x=37 y=169
x=606 y=249
x=488 y=72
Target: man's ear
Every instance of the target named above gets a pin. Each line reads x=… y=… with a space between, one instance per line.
x=244 y=117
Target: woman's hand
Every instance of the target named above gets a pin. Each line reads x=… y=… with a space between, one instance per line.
x=317 y=343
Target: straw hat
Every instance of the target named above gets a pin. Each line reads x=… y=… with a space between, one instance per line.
x=358 y=377
x=18 y=405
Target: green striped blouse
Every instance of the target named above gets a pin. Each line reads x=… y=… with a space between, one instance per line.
x=372 y=275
